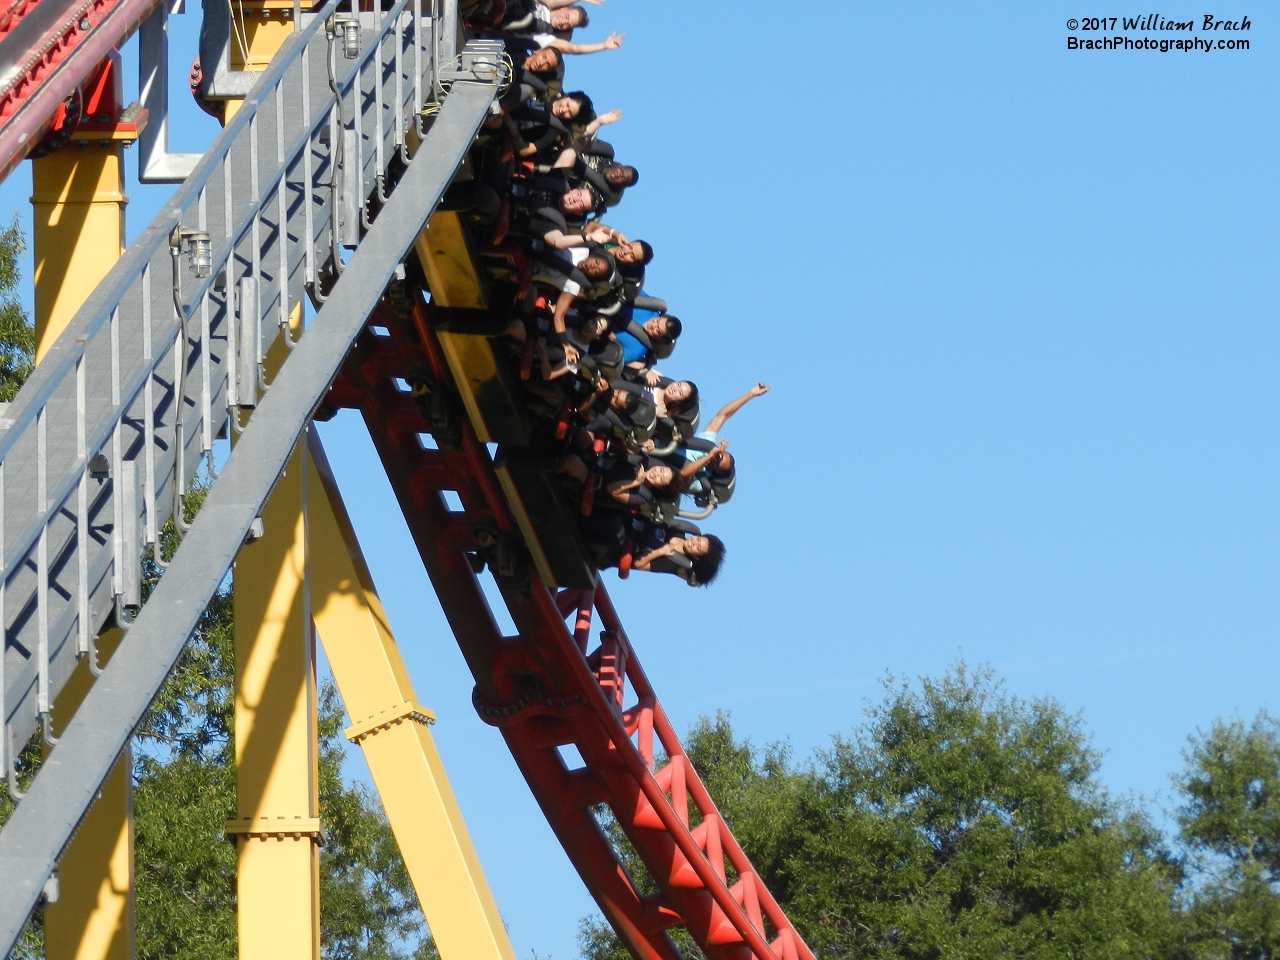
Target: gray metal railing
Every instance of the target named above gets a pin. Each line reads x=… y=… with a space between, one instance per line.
x=170 y=350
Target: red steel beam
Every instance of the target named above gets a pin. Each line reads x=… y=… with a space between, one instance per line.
x=49 y=48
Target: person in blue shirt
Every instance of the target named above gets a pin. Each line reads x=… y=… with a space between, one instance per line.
x=643 y=342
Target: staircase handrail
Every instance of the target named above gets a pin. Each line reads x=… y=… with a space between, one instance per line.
x=66 y=354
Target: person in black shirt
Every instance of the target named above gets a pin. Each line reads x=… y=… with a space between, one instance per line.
x=551 y=25
x=535 y=70
x=595 y=345
x=553 y=227
x=634 y=480
x=695 y=558
x=537 y=127
x=627 y=415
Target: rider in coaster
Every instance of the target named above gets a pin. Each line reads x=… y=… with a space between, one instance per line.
x=719 y=476
x=536 y=127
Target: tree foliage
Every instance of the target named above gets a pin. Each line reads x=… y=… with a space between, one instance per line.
x=1230 y=823
x=959 y=821
x=17 y=336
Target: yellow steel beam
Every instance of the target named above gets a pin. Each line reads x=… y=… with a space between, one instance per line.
x=393 y=731
x=277 y=829
x=446 y=260
x=276 y=826
x=78 y=204
x=275 y=689
x=78 y=200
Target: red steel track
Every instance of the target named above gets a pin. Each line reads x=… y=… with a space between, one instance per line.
x=545 y=689
x=47 y=49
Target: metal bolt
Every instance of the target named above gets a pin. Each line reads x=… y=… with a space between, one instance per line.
x=85 y=24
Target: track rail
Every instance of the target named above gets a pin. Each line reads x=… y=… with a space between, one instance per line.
x=47 y=48
x=546 y=688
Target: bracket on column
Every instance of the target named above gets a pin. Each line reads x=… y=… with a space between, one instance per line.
x=405 y=710
x=264 y=828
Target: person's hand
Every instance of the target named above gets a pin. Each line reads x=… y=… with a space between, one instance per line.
x=640 y=471
x=598 y=235
x=570 y=353
x=653 y=378
x=613 y=116
x=594 y=3
x=760 y=389
x=648 y=446
x=674 y=545
x=612 y=42
x=722 y=446
x=602 y=385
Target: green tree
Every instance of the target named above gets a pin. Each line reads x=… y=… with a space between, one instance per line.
x=958 y=822
x=17 y=336
x=1230 y=825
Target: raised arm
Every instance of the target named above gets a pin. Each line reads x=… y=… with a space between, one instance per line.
x=613 y=116
x=602 y=387
x=611 y=42
x=733 y=406
x=563 y=303
x=561 y=240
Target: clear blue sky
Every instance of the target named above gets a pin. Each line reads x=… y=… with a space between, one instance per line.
x=1019 y=309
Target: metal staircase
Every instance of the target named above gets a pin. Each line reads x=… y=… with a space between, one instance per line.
x=317 y=188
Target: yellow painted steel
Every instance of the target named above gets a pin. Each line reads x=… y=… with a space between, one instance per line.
x=256 y=35
x=446 y=259
x=78 y=200
x=78 y=204
x=277 y=830
x=277 y=809
x=93 y=917
x=392 y=730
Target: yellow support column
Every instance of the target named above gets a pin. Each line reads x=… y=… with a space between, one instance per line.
x=392 y=730
x=78 y=201
x=264 y=25
x=277 y=826
x=78 y=197
x=93 y=917
x=275 y=694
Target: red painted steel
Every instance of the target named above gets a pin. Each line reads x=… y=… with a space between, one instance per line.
x=545 y=690
x=46 y=65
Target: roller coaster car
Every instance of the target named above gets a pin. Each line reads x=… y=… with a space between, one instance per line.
x=497 y=405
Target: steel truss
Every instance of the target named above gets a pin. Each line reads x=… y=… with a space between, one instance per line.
x=547 y=688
